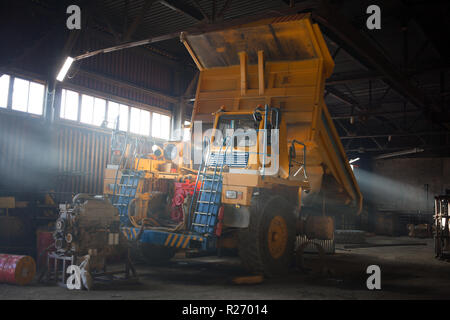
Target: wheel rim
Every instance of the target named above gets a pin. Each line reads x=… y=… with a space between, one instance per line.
x=277 y=237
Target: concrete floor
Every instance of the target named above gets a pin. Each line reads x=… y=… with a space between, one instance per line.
x=409 y=272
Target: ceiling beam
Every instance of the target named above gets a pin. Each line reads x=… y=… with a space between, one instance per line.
x=225 y=7
x=347 y=77
x=137 y=21
x=357 y=76
x=360 y=47
x=183 y=8
x=343 y=97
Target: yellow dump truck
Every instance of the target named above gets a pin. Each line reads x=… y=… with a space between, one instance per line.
x=273 y=152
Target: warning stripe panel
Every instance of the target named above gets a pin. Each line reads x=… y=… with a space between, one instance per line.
x=171 y=239
x=180 y=242
x=168 y=239
x=186 y=242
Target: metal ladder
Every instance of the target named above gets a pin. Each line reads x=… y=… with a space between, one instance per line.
x=129 y=182
x=206 y=202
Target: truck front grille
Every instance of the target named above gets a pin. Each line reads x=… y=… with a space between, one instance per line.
x=231 y=159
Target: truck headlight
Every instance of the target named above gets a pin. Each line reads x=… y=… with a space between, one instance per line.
x=231 y=194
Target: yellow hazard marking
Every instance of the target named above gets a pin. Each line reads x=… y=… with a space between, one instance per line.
x=134 y=232
x=125 y=233
x=168 y=239
x=173 y=241
x=179 y=242
x=186 y=242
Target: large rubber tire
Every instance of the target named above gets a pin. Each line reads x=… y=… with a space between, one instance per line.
x=151 y=254
x=260 y=248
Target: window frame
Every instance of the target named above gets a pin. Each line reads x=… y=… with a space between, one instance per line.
x=94 y=98
x=80 y=91
x=78 y=107
x=149 y=133
x=10 y=93
x=119 y=102
x=170 y=127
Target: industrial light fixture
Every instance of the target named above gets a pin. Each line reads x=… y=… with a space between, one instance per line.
x=65 y=68
x=399 y=153
x=353 y=160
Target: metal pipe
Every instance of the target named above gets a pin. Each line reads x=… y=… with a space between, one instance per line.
x=372 y=114
x=266 y=110
x=406 y=134
x=399 y=153
x=128 y=45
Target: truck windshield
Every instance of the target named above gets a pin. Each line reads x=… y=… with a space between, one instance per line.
x=243 y=127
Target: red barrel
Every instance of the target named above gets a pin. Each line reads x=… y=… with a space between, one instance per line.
x=45 y=243
x=16 y=269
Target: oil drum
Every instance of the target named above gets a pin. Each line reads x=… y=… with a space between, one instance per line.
x=45 y=242
x=16 y=269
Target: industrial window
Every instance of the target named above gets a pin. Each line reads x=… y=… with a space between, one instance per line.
x=140 y=121
x=92 y=110
x=28 y=96
x=117 y=112
x=4 y=90
x=69 y=105
x=161 y=126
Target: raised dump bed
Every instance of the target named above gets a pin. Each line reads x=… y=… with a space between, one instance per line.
x=283 y=63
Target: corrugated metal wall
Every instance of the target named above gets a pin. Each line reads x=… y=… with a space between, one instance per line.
x=25 y=154
x=82 y=155
x=36 y=157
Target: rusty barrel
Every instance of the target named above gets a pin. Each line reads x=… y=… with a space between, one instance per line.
x=16 y=269
x=45 y=243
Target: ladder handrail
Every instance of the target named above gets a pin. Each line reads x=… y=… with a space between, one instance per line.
x=131 y=177
x=211 y=187
x=303 y=165
x=214 y=186
x=118 y=168
x=227 y=145
x=201 y=171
